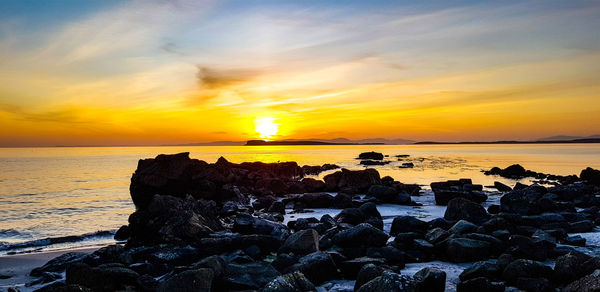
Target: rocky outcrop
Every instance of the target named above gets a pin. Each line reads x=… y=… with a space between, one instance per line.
x=361 y=180
x=462 y=188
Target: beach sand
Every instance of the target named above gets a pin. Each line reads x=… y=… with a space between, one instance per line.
x=19 y=266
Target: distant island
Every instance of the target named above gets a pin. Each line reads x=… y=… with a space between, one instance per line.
x=300 y=142
x=590 y=140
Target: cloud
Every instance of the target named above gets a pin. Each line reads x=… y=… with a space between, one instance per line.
x=212 y=78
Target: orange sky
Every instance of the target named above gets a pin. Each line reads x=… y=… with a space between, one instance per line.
x=170 y=73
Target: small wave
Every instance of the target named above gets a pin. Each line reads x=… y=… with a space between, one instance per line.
x=9 y=232
x=55 y=240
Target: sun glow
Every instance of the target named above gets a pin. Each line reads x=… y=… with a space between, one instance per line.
x=266 y=128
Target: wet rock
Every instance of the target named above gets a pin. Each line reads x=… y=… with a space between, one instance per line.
x=301 y=242
x=569 y=267
x=522 y=268
x=461 y=250
x=502 y=187
x=316 y=169
x=475 y=285
x=367 y=213
x=373 y=162
x=359 y=179
x=430 y=279
x=462 y=227
x=528 y=248
x=534 y=284
x=122 y=233
x=318 y=267
x=58 y=264
x=389 y=282
x=590 y=175
x=103 y=277
x=463 y=188
x=361 y=235
x=371 y=155
x=463 y=209
x=247 y=224
x=403 y=224
x=407 y=165
x=342 y=201
x=367 y=273
x=253 y=275
x=588 y=283
x=190 y=280
x=292 y=282
x=277 y=207
x=485 y=269
x=581 y=226
x=514 y=171
x=576 y=240
x=312 y=200
x=436 y=235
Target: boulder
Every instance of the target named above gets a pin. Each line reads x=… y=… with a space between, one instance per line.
x=502 y=187
x=476 y=285
x=462 y=227
x=402 y=224
x=430 y=279
x=188 y=281
x=366 y=213
x=103 y=277
x=522 y=268
x=485 y=269
x=569 y=267
x=460 y=250
x=292 y=282
x=367 y=273
x=318 y=267
x=302 y=242
x=253 y=275
x=588 y=283
x=371 y=155
x=463 y=209
x=360 y=236
x=58 y=264
x=591 y=176
x=389 y=282
x=362 y=180
x=350 y=268
x=248 y=224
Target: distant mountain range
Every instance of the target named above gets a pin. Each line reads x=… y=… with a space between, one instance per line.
x=564 y=138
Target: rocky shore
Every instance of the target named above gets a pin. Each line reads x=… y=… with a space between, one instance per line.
x=219 y=226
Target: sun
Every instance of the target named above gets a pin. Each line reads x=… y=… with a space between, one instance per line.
x=266 y=128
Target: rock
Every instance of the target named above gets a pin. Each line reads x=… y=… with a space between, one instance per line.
x=253 y=275
x=361 y=235
x=522 y=268
x=588 y=283
x=318 y=267
x=389 y=282
x=362 y=180
x=247 y=224
x=525 y=247
x=103 y=277
x=463 y=209
x=576 y=240
x=591 y=176
x=402 y=224
x=292 y=282
x=301 y=242
x=277 y=207
x=407 y=165
x=475 y=285
x=383 y=193
x=460 y=250
x=371 y=155
x=436 y=235
x=367 y=273
x=312 y=200
x=168 y=219
x=462 y=227
x=502 y=187
x=463 y=188
x=373 y=162
x=122 y=233
x=534 y=284
x=391 y=254
x=350 y=268
x=314 y=170
x=342 y=201
x=190 y=280
x=485 y=269
x=58 y=264
x=430 y=279
x=366 y=213
x=581 y=226
x=514 y=171
x=570 y=267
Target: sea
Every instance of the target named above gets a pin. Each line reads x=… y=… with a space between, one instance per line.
x=70 y=197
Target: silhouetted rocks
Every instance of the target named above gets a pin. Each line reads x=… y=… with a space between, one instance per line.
x=373 y=162
x=316 y=169
x=371 y=155
x=463 y=188
x=591 y=176
x=502 y=187
x=218 y=227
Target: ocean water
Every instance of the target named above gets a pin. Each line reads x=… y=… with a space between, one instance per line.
x=62 y=197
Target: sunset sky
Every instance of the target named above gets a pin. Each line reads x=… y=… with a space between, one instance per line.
x=171 y=72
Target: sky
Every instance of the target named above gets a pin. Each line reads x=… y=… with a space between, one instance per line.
x=174 y=72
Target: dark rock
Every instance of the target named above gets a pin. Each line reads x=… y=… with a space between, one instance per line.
x=58 y=264
x=475 y=285
x=190 y=280
x=502 y=187
x=247 y=224
x=360 y=235
x=391 y=254
x=485 y=269
x=407 y=165
x=342 y=201
x=591 y=176
x=312 y=200
x=403 y=224
x=252 y=275
x=430 y=279
x=359 y=179
x=105 y=278
x=389 y=282
x=462 y=227
x=292 y=282
x=463 y=209
x=576 y=240
x=301 y=242
x=461 y=250
x=569 y=267
x=588 y=283
x=525 y=247
x=367 y=273
x=371 y=155
x=534 y=284
x=277 y=207
x=526 y=269
x=318 y=267
x=436 y=235
x=122 y=233
x=494 y=209
x=366 y=213
x=581 y=226
x=463 y=188
x=350 y=268
x=373 y=162
x=383 y=193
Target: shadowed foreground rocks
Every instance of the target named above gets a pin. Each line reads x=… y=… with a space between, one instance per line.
x=218 y=227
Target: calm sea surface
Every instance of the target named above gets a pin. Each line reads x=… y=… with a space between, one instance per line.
x=56 y=192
